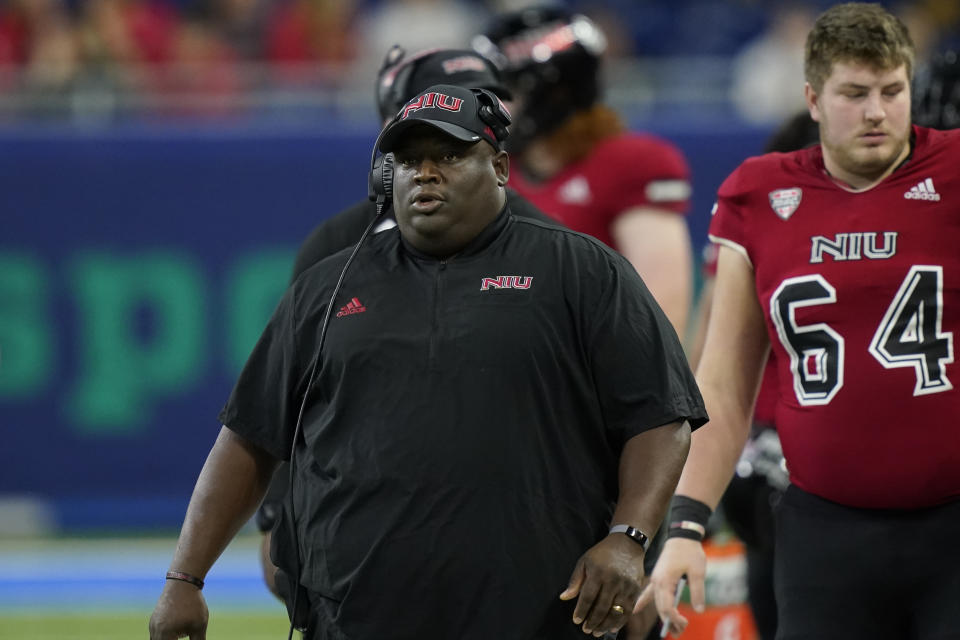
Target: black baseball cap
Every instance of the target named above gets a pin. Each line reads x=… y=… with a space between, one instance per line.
x=451 y=109
x=403 y=77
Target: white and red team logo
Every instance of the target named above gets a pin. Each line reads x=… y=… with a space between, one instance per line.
x=785 y=201
x=506 y=282
x=432 y=100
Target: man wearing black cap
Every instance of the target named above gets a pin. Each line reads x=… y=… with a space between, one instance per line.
x=401 y=77
x=499 y=414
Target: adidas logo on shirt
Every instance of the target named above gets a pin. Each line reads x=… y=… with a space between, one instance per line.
x=352 y=307
x=923 y=191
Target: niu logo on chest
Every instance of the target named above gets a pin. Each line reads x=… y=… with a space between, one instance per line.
x=506 y=282
x=857 y=245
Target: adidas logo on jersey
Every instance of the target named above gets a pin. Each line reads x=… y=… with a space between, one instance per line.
x=923 y=191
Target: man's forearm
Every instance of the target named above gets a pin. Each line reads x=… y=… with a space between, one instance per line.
x=715 y=448
x=232 y=483
x=650 y=466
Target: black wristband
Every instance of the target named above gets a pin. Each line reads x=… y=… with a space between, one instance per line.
x=688 y=518
x=185 y=577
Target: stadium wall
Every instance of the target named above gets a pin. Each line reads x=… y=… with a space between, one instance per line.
x=137 y=267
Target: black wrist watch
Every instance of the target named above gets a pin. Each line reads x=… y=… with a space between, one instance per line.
x=633 y=533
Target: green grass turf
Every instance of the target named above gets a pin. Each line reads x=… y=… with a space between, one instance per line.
x=130 y=626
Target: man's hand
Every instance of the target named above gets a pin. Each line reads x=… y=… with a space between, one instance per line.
x=608 y=578
x=679 y=556
x=181 y=612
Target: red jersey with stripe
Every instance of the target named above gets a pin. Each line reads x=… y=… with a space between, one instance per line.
x=861 y=296
x=620 y=173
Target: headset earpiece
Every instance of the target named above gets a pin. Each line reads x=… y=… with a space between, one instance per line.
x=380 y=183
x=493 y=113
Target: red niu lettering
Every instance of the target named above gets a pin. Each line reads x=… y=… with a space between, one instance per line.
x=354 y=306
x=432 y=99
x=448 y=102
x=506 y=282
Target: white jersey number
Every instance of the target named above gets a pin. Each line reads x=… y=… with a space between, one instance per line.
x=909 y=335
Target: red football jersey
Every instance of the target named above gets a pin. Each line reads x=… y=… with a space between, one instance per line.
x=621 y=172
x=861 y=294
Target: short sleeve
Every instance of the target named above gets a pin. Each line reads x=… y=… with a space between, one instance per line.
x=642 y=376
x=650 y=172
x=264 y=403
x=727 y=226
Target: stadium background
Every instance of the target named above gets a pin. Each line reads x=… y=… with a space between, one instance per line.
x=146 y=236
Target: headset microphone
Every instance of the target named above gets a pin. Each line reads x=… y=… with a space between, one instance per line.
x=379 y=190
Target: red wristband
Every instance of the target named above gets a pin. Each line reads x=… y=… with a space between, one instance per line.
x=185 y=577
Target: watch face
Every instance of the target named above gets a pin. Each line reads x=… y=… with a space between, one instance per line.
x=638 y=535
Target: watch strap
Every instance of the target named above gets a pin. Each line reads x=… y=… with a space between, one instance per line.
x=633 y=533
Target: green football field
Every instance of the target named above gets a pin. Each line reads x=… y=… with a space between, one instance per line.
x=106 y=588
x=128 y=626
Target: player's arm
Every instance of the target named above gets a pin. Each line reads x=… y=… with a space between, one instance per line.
x=657 y=243
x=728 y=375
x=701 y=320
x=232 y=483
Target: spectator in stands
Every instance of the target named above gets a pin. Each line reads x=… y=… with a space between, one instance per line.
x=767 y=74
x=313 y=31
x=414 y=25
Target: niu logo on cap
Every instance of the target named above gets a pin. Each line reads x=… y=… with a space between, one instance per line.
x=432 y=100
x=506 y=282
x=352 y=307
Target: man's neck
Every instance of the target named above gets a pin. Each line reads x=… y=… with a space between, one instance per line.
x=855 y=182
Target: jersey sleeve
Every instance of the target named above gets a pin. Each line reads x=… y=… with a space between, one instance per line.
x=644 y=171
x=264 y=402
x=728 y=219
x=642 y=376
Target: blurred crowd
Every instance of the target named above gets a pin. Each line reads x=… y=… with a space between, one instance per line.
x=107 y=59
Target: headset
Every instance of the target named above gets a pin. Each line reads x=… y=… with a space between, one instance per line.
x=493 y=113
x=380 y=179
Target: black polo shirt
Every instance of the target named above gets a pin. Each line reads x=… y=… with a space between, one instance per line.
x=463 y=436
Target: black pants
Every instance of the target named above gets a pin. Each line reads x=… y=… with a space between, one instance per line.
x=861 y=574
